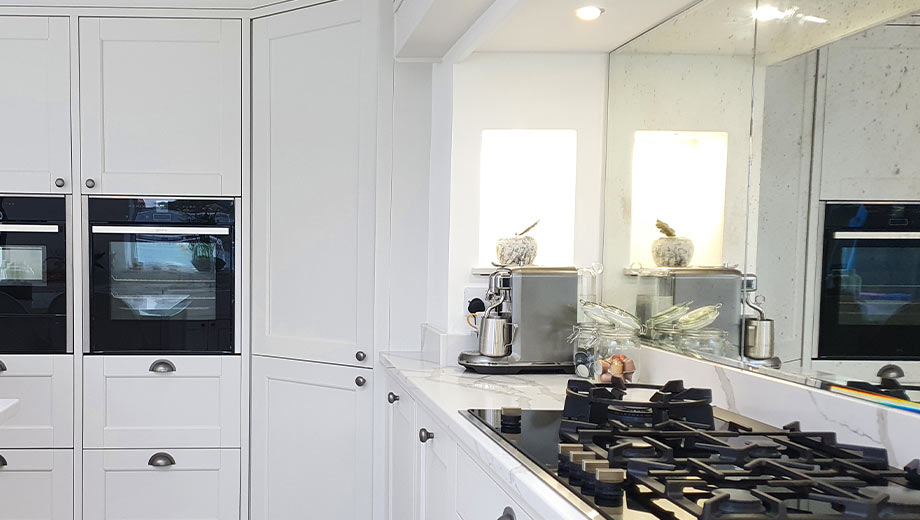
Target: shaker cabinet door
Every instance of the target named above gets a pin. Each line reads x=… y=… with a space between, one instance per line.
x=313 y=209
x=402 y=456
x=439 y=469
x=36 y=485
x=34 y=104
x=312 y=431
x=161 y=106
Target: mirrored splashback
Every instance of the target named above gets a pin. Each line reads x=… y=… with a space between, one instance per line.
x=767 y=151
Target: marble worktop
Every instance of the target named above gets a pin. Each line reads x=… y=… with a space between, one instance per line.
x=445 y=390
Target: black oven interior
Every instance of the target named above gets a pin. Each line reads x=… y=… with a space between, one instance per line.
x=870 y=282
x=33 y=275
x=162 y=276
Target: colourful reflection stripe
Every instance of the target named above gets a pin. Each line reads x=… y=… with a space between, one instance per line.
x=877 y=398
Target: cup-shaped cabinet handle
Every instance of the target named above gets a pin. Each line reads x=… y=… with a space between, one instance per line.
x=2 y=366
x=2 y=461
x=508 y=514
x=162 y=366
x=161 y=460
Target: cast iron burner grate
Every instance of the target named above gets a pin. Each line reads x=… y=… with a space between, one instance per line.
x=671 y=450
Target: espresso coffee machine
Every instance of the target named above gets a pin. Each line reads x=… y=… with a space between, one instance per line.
x=538 y=306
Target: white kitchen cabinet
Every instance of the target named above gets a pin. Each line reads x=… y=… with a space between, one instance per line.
x=161 y=484
x=313 y=206
x=161 y=106
x=439 y=463
x=153 y=401
x=35 y=104
x=44 y=386
x=311 y=440
x=36 y=484
x=403 y=453
x=478 y=496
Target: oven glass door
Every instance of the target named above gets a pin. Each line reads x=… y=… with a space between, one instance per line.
x=870 y=296
x=33 y=288
x=164 y=289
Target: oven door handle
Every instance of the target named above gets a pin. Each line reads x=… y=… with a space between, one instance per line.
x=877 y=235
x=160 y=230
x=29 y=228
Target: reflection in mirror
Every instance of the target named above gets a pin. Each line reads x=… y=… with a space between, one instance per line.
x=677 y=170
x=834 y=230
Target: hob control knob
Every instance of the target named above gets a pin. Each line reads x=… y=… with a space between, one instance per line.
x=913 y=473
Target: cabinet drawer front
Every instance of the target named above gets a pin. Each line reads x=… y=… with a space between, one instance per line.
x=478 y=496
x=36 y=484
x=44 y=387
x=200 y=484
x=128 y=404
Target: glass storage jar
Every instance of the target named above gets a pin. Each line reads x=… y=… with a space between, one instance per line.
x=707 y=341
x=603 y=352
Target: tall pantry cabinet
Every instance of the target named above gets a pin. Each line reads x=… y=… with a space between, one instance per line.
x=313 y=232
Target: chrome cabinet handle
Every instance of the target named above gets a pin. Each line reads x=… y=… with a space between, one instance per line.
x=162 y=366
x=425 y=435
x=2 y=461
x=360 y=355
x=161 y=460
x=508 y=514
x=59 y=182
x=392 y=398
x=2 y=366
x=360 y=381
x=90 y=183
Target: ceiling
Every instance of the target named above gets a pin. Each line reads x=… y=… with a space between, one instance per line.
x=551 y=25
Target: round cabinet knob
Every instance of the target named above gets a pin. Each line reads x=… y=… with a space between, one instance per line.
x=392 y=398
x=360 y=381
x=360 y=355
x=90 y=183
x=508 y=514
x=425 y=435
x=59 y=182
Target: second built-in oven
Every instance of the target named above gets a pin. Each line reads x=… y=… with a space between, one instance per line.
x=162 y=276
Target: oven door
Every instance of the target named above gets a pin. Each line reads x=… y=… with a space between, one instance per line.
x=870 y=295
x=163 y=289
x=33 y=288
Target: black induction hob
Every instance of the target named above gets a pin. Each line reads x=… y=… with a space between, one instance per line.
x=674 y=456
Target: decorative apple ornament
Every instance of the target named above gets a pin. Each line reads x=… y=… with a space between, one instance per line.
x=671 y=250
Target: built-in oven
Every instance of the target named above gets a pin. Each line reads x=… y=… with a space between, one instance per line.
x=162 y=276
x=34 y=275
x=870 y=282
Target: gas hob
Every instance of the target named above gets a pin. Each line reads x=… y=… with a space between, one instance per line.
x=642 y=452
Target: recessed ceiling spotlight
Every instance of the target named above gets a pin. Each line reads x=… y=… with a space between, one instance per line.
x=589 y=13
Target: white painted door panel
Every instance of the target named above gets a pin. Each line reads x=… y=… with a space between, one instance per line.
x=36 y=485
x=34 y=104
x=161 y=106
x=402 y=457
x=439 y=470
x=313 y=184
x=122 y=485
x=311 y=441
x=478 y=496
x=44 y=386
x=126 y=405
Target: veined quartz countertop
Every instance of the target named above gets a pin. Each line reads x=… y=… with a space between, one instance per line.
x=444 y=391
x=8 y=408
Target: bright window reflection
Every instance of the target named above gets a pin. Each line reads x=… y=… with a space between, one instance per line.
x=526 y=175
x=679 y=177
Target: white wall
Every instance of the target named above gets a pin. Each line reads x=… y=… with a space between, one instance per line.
x=673 y=92
x=521 y=91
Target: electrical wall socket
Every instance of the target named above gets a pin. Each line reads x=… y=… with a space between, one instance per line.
x=474 y=291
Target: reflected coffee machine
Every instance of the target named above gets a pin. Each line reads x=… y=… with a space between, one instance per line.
x=530 y=313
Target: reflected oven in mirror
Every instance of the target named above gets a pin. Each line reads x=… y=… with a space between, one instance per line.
x=870 y=282
x=162 y=276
